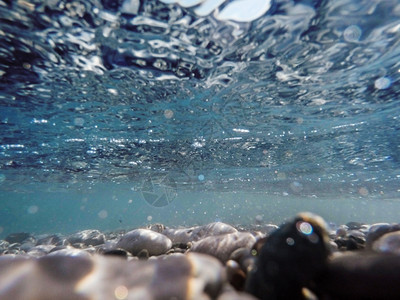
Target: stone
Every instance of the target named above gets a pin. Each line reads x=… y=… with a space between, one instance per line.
x=222 y=246
x=388 y=243
x=40 y=250
x=18 y=237
x=191 y=276
x=378 y=230
x=157 y=227
x=361 y=275
x=290 y=260
x=49 y=240
x=187 y=235
x=87 y=237
x=139 y=239
x=70 y=251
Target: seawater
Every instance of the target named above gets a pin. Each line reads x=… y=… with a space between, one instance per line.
x=118 y=114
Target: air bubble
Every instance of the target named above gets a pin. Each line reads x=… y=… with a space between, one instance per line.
x=352 y=33
x=79 y=122
x=33 y=209
x=382 y=83
x=103 y=214
x=168 y=113
x=290 y=241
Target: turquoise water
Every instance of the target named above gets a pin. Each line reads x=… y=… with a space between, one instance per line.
x=117 y=114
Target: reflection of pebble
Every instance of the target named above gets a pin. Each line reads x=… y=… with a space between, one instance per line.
x=136 y=240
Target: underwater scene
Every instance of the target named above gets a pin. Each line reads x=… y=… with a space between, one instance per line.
x=222 y=116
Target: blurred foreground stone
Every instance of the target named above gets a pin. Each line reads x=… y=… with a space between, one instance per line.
x=191 y=276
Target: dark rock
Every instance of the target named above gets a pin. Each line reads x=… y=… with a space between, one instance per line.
x=235 y=275
x=222 y=246
x=354 y=225
x=291 y=259
x=19 y=237
x=116 y=252
x=136 y=240
x=361 y=275
x=87 y=237
x=143 y=254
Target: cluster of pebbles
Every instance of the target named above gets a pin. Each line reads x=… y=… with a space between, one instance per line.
x=301 y=259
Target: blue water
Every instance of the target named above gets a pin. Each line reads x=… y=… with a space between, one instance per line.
x=123 y=113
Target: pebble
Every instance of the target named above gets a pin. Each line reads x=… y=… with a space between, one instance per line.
x=18 y=237
x=49 y=240
x=40 y=250
x=378 y=230
x=290 y=259
x=186 y=235
x=139 y=239
x=87 y=237
x=222 y=246
x=192 y=276
x=214 y=261
x=388 y=243
x=361 y=275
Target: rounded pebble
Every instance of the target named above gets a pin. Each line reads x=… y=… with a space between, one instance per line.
x=222 y=246
x=87 y=237
x=139 y=239
x=388 y=243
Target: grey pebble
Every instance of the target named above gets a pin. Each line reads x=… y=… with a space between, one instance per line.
x=388 y=243
x=222 y=246
x=136 y=240
x=87 y=237
x=186 y=235
x=378 y=230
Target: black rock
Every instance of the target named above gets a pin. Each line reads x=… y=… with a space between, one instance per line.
x=361 y=275
x=18 y=237
x=116 y=252
x=291 y=259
